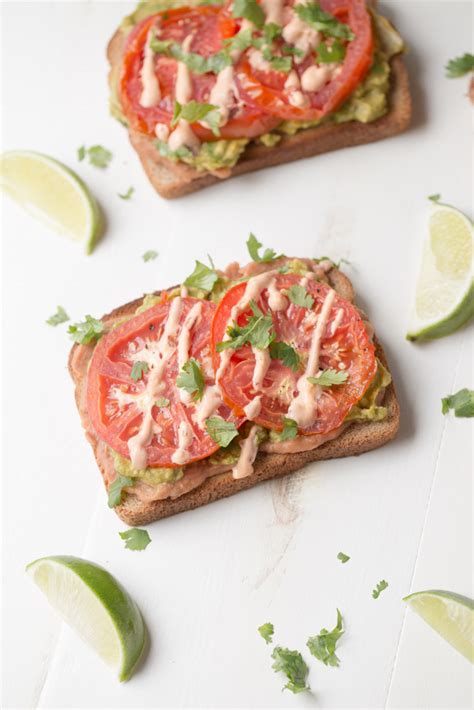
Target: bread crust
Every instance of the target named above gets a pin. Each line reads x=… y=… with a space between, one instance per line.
x=357 y=438
x=173 y=180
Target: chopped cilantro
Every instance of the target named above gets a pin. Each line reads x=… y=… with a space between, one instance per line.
x=379 y=588
x=197 y=111
x=462 y=402
x=266 y=631
x=251 y=10
x=81 y=153
x=284 y=352
x=290 y=429
x=329 y=54
x=191 y=379
x=300 y=296
x=253 y=246
x=323 y=646
x=135 y=538
x=85 y=332
x=98 y=156
x=126 y=195
x=150 y=255
x=202 y=277
x=318 y=19
x=221 y=431
x=434 y=198
x=59 y=317
x=116 y=488
x=460 y=66
x=258 y=332
x=292 y=664
x=138 y=370
x=344 y=558
x=329 y=377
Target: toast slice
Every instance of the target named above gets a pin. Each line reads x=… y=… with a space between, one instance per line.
x=357 y=438
x=172 y=180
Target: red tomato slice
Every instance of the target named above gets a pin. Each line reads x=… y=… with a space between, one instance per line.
x=116 y=402
x=349 y=346
x=210 y=26
x=266 y=89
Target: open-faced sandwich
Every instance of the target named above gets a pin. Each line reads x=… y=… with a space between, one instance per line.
x=238 y=376
x=209 y=91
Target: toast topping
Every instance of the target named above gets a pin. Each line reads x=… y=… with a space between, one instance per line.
x=248 y=454
x=151 y=94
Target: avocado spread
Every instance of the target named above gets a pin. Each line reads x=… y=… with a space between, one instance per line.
x=153 y=476
x=367 y=103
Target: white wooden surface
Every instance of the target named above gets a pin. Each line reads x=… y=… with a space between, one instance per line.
x=210 y=577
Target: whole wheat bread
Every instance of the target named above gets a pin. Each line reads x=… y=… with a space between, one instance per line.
x=356 y=439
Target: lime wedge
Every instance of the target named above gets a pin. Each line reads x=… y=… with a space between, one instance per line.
x=450 y=614
x=96 y=606
x=53 y=193
x=445 y=289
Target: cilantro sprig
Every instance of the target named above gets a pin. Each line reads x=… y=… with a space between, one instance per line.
x=250 y=10
x=191 y=379
x=284 y=352
x=266 y=631
x=98 y=156
x=59 y=317
x=462 y=402
x=195 y=111
x=86 y=331
x=300 y=296
x=318 y=19
x=329 y=377
x=257 y=332
x=379 y=588
x=323 y=646
x=290 y=429
x=292 y=664
x=202 y=277
x=254 y=246
x=221 y=431
x=135 y=538
x=460 y=66
x=329 y=54
x=198 y=64
x=116 y=490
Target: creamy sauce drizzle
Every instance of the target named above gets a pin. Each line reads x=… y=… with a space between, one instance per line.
x=222 y=93
x=262 y=363
x=276 y=300
x=184 y=342
x=248 y=453
x=252 y=409
x=162 y=132
x=300 y=35
x=273 y=10
x=183 y=135
x=208 y=405
x=151 y=93
x=337 y=321
x=184 y=83
x=185 y=437
x=303 y=408
x=137 y=444
x=315 y=77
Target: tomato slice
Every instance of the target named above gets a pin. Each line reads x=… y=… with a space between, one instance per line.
x=209 y=27
x=266 y=89
x=117 y=403
x=347 y=349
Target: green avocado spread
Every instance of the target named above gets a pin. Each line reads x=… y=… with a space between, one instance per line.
x=367 y=103
x=153 y=476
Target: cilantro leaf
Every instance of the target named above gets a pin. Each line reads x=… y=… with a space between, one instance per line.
x=290 y=429
x=162 y=402
x=98 y=156
x=462 y=402
x=271 y=31
x=86 y=331
x=322 y=21
x=300 y=297
x=460 y=66
x=202 y=277
x=253 y=246
x=329 y=377
x=135 y=538
x=220 y=431
x=291 y=663
x=258 y=332
x=197 y=111
x=150 y=255
x=126 y=195
x=59 y=317
x=191 y=379
x=329 y=54
x=323 y=646
x=239 y=42
x=198 y=64
x=344 y=558
x=434 y=198
x=251 y=10
x=282 y=64
x=266 y=631
x=139 y=369
x=284 y=352
x=379 y=588
x=116 y=488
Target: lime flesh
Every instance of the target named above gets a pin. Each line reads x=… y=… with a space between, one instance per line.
x=445 y=289
x=53 y=193
x=96 y=606
x=448 y=613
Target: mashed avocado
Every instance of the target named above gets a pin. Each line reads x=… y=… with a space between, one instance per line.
x=367 y=409
x=153 y=476
x=367 y=103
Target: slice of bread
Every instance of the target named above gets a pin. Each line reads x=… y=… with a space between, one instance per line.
x=357 y=438
x=172 y=179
